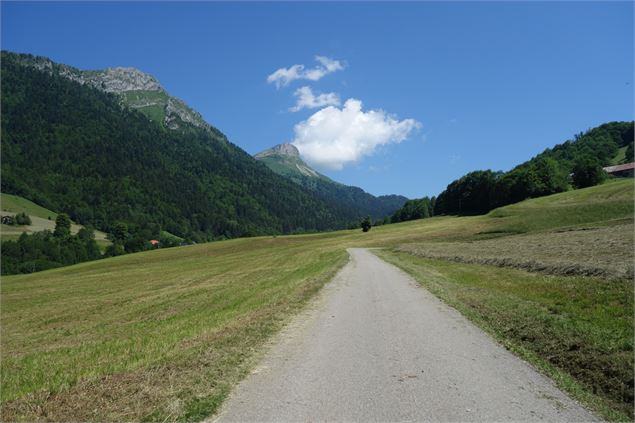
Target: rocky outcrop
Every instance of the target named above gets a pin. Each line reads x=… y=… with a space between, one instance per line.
x=119 y=80
x=122 y=80
x=111 y=80
x=176 y=108
x=288 y=150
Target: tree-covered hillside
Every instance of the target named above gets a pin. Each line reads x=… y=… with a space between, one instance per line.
x=547 y=173
x=550 y=172
x=285 y=160
x=73 y=148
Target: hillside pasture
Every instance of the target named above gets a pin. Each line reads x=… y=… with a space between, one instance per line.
x=42 y=219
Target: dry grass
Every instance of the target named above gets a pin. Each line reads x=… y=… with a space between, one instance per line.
x=39 y=224
x=161 y=334
x=41 y=218
x=605 y=252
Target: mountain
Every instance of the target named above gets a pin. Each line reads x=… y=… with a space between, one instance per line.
x=113 y=146
x=135 y=89
x=285 y=160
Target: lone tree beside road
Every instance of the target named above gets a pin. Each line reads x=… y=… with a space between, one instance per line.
x=366 y=225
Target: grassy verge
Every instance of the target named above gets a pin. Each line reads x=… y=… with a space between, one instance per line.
x=578 y=330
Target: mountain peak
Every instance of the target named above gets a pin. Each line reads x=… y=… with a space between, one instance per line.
x=285 y=160
x=288 y=150
x=136 y=89
x=114 y=80
x=121 y=79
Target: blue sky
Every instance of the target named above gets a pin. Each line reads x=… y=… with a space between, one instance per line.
x=438 y=89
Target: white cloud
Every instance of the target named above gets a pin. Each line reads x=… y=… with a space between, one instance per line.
x=283 y=76
x=333 y=137
x=306 y=99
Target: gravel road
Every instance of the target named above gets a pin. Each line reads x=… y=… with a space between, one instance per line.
x=377 y=347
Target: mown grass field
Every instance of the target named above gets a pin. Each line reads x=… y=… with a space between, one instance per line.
x=602 y=251
x=165 y=334
x=41 y=218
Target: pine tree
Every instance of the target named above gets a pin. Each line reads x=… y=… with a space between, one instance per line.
x=62 y=226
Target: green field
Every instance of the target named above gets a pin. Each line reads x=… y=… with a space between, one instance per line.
x=150 y=103
x=41 y=218
x=620 y=157
x=165 y=334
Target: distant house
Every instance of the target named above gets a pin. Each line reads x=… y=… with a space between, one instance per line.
x=8 y=220
x=621 y=170
x=154 y=242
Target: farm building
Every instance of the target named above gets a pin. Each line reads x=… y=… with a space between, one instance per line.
x=621 y=170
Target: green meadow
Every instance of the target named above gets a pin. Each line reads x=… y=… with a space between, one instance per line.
x=166 y=334
x=42 y=219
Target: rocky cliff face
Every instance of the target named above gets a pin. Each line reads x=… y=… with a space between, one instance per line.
x=137 y=90
x=119 y=80
x=289 y=150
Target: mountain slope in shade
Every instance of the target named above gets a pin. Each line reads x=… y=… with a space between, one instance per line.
x=285 y=160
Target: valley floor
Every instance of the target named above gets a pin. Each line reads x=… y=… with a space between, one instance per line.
x=166 y=334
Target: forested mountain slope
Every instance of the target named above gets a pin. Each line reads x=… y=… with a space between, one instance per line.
x=285 y=160
x=72 y=147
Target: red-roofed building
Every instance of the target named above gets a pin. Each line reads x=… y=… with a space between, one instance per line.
x=154 y=242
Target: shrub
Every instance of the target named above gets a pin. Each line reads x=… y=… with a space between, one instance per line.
x=22 y=219
x=366 y=225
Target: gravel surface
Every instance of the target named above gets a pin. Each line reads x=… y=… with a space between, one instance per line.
x=377 y=347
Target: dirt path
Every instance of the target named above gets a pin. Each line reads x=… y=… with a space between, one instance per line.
x=377 y=347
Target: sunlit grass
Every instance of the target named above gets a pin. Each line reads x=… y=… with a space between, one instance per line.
x=165 y=334
x=578 y=329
